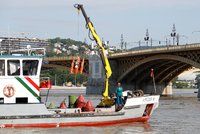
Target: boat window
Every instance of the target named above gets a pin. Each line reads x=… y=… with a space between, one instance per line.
x=13 y=67
x=30 y=67
x=1 y=100
x=2 y=67
x=21 y=100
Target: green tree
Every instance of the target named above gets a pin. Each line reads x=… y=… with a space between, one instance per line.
x=67 y=42
x=174 y=81
x=181 y=85
x=61 y=76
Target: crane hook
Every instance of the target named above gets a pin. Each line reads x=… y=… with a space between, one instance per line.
x=77 y=6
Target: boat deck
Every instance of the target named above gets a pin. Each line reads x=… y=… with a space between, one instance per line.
x=68 y=115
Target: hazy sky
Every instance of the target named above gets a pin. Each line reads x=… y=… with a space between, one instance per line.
x=111 y=18
x=189 y=75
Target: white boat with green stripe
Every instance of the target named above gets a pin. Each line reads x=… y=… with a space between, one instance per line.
x=21 y=106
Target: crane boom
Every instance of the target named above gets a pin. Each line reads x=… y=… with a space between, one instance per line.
x=106 y=64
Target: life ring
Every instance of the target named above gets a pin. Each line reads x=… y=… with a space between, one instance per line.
x=8 y=91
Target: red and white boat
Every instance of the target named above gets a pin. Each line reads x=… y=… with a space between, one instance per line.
x=20 y=104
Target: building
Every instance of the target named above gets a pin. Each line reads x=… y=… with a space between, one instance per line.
x=10 y=43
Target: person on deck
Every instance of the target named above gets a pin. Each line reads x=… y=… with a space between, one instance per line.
x=118 y=92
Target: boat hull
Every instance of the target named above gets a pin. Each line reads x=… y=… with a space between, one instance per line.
x=73 y=124
x=137 y=109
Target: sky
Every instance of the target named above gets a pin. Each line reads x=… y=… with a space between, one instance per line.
x=189 y=74
x=58 y=18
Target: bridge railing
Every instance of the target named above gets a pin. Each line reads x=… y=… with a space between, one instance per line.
x=58 y=58
x=158 y=49
x=62 y=58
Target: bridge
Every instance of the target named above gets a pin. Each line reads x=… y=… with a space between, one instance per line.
x=133 y=67
x=63 y=63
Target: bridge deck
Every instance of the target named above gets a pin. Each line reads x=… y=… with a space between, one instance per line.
x=157 y=50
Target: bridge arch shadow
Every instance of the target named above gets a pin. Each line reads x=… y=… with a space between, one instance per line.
x=166 y=67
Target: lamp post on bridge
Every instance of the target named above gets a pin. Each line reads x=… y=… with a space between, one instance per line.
x=123 y=44
x=173 y=34
x=146 y=38
x=139 y=43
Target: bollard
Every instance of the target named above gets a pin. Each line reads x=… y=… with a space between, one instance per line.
x=72 y=100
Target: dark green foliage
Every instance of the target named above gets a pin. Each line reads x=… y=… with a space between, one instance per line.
x=63 y=76
x=59 y=76
x=65 y=41
x=181 y=85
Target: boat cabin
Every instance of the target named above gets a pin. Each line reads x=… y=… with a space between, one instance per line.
x=20 y=79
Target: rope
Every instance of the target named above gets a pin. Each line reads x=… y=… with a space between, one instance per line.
x=78 y=24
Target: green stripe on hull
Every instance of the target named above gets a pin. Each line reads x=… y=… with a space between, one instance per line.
x=28 y=88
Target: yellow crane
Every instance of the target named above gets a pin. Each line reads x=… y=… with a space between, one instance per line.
x=106 y=101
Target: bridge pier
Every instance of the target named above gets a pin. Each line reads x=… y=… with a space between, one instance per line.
x=161 y=89
x=168 y=90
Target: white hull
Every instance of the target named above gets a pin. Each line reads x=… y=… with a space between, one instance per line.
x=36 y=115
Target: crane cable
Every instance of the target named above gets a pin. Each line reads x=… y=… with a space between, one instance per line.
x=78 y=24
x=86 y=26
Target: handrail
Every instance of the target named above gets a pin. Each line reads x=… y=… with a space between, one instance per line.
x=156 y=50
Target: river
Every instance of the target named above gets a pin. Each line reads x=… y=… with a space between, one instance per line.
x=178 y=114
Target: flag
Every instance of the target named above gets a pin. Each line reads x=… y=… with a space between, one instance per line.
x=152 y=73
